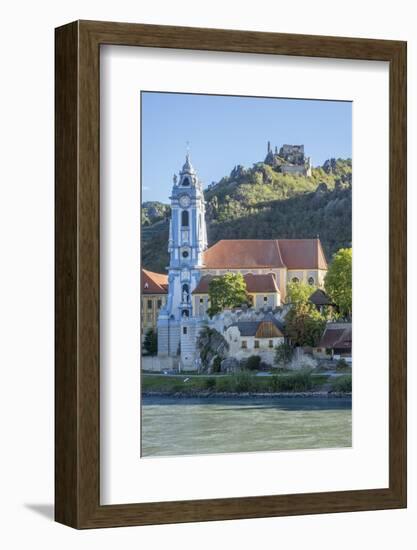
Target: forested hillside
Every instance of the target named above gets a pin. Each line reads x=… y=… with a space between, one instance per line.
x=153 y=212
x=261 y=203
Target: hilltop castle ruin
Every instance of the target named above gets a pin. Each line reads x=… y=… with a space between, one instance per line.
x=289 y=160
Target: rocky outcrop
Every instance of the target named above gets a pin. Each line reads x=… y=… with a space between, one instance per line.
x=330 y=166
x=237 y=172
x=212 y=347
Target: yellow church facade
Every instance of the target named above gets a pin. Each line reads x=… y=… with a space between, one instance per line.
x=267 y=266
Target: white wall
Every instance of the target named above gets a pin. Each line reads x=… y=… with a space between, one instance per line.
x=26 y=299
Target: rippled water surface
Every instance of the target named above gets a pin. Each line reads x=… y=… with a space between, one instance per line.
x=211 y=425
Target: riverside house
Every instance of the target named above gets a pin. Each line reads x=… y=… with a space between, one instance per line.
x=336 y=342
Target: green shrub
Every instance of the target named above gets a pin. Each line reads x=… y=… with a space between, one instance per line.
x=210 y=383
x=253 y=362
x=342 y=384
x=216 y=365
x=243 y=382
x=342 y=365
x=178 y=387
x=151 y=342
x=298 y=381
x=264 y=366
x=224 y=384
x=282 y=370
x=275 y=383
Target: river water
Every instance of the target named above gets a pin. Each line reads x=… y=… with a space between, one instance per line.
x=172 y=426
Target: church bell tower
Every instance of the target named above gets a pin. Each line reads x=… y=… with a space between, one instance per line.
x=186 y=244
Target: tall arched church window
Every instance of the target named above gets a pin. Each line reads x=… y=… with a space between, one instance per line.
x=184 y=218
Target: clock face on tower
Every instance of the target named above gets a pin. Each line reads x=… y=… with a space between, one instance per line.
x=185 y=201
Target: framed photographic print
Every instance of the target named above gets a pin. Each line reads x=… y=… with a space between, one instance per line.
x=230 y=274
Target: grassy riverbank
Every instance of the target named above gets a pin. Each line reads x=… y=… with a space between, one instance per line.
x=245 y=382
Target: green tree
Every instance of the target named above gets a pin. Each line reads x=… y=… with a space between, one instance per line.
x=299 y=292
x=227 y=291
x=304 y=325
x=283 y=354
x=338 y=281
x=150 y=342
x=253 y=362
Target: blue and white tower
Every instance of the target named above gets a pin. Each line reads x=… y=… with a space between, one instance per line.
x=186 y=244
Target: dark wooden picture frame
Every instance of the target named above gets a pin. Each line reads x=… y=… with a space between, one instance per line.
x=77 y=371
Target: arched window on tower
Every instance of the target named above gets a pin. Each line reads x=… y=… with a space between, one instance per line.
x=185 y=182
x=184 y=218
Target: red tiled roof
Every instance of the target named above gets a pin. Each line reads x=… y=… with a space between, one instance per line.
x=261 y=253
x=243 y=253
x=261 y=283
x=302 y=253
x=154 y=283
x=254 y=283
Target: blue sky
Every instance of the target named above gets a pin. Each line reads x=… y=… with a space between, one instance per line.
x=223 y=131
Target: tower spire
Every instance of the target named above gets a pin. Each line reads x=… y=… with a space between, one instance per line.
x=188 y=167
